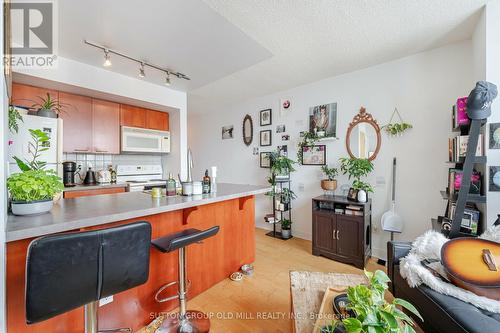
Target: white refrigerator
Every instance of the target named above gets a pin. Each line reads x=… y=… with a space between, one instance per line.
x=19 y=142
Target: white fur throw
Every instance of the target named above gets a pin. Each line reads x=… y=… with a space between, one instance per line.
x=428 y=246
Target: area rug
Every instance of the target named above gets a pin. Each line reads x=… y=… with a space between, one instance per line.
x=308 y=289
x=428 y=246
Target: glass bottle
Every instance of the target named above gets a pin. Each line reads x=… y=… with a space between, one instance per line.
x=171 y=186
x=206 y=183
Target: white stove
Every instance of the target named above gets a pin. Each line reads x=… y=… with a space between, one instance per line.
x=141 y=177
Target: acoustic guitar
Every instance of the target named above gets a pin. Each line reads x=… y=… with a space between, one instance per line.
x=473 y=264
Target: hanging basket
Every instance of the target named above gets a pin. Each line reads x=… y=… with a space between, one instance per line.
x=396 y=128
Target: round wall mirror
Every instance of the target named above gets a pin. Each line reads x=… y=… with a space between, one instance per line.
x=363 y=136
x=247 y=130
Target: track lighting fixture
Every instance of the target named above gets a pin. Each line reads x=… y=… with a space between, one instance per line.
x=107 y=60
x=142 y=64
x=141 y=71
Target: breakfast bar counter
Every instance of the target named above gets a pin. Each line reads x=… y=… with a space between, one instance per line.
x=232 y=208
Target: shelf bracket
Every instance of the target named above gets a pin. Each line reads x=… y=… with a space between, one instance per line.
x=185 y=214
x=243 y=200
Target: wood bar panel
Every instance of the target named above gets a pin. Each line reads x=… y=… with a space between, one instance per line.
x=208 y=263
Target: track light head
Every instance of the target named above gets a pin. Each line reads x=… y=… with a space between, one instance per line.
x=167 y=79
x=107 y=60
x=142 y=74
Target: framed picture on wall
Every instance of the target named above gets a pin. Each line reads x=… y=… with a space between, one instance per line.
x=495 y=136
x=314 y=155
x=266 y=117
x=265 y=138
x=265 y=161
x=494 y=179
x=323 y=120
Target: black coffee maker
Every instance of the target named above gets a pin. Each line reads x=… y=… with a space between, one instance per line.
x=69 y=170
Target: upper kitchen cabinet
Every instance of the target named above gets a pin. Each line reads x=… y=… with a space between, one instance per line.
x=26 y=96
x=106 y=127
x=157 y=120
x=77 y=125
x=132 y=116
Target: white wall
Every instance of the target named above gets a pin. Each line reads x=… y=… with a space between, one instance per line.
x=423 y=87
x=73 y=73
x=3 y=187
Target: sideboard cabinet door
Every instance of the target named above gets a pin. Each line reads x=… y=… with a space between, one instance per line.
x=324 y=232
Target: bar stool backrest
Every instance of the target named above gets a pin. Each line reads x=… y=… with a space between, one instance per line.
x=67 y=271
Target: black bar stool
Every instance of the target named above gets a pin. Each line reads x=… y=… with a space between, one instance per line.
x=66 y=271
x=187 y=321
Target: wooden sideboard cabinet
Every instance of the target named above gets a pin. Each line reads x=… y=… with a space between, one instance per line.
x=338 y=236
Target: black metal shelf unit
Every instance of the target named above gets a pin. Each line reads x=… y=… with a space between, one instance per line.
x=463 y=197
x=278 y=188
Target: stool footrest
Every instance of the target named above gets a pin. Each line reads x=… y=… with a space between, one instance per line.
x=129 y=330
x=166 y=299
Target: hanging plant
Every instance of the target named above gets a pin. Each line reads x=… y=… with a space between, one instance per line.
x=309 y=139
x=396 y=128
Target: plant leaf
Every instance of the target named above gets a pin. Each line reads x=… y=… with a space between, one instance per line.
x=408 y=329
x=352 y=325
x=408 y=306
x=390 y=319
x=23 y=166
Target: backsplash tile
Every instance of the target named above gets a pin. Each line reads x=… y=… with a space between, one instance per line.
x=101 y=161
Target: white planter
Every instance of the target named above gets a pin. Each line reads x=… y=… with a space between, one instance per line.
x=362 y=196
x=31 y=208
x=286 y=233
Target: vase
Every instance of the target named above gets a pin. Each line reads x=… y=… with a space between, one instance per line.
x=362 y=196
x=286 y=233
x=47 y=113
x=329 y=185
x=32 y=207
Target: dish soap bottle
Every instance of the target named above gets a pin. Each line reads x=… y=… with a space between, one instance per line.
x=206 y=183
x=171 y=186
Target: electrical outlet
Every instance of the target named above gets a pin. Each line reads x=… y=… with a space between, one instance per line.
x=301 y=187
x=105 y=300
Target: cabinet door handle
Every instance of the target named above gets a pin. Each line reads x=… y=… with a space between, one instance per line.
x=81 y=149
x=100 y=151
x=338 y=232
x=334 y=231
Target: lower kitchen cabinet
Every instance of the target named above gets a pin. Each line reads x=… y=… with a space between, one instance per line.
x=89 y=192
x=339 y=236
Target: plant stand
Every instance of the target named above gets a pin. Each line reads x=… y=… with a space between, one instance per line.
x=280 y=184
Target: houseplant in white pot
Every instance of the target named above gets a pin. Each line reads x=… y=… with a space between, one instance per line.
x=286 y=228
x=32 y=191
x=329 y=184
x=358 y=168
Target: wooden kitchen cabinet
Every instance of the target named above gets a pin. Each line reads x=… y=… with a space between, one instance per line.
x=106 y=126
x=341 y=237
x=86 y=193
x=132 y=116
x=157 y=120
x=26 y=96
x=77 y=123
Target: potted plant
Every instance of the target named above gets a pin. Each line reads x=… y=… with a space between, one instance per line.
x=329 y=184
x=32 y=191
x=40 y=144
x=281 y=166
x=357 y=168
x=308 y=139
x=286 y=228
x=373 y=312
x=285 y=198
x=48 y=107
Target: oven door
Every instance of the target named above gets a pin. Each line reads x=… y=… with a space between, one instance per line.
x=140 y=140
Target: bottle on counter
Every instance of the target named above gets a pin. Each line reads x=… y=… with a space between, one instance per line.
x=171 y=186
x=206 y=183
x=213 y=183
x=112 y=173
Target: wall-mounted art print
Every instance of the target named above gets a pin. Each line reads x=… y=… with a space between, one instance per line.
x=227 y=132
x=495 y=136
x=265 y=161
x=283 y=150
x=323 y=120
x=266 y=117
x=280 y=129
x=265 y=138
x=285 y=106
x=494 y=179
x=314 y=155
x=256 y=150
x=285 y=137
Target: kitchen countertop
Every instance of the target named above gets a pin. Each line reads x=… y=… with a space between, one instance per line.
x=71 y=214
x=94 y=187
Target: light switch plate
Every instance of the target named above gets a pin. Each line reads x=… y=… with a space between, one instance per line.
x=301 y=187
x=105 y=300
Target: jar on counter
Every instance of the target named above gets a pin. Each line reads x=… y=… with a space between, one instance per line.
x=197 y=188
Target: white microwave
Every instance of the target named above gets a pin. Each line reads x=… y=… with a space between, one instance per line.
x=142 y=140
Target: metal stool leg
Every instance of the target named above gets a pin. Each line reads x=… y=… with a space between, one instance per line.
x=186 y=321
x=91 y=320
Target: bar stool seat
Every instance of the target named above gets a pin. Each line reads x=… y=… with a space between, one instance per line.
x=186 y=321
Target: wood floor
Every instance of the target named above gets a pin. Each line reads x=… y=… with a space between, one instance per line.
x=266 y=292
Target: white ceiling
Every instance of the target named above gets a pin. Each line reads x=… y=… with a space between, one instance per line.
x=316 y=39
x=239 y=49
x=184 y=35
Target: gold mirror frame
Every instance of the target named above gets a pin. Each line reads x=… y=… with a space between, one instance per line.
x=363 y=117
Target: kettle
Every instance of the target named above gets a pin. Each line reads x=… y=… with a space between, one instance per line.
x=89 y=177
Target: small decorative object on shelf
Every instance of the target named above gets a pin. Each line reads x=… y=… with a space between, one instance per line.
x=397 y=128
x=462 y=216
x=282 y=195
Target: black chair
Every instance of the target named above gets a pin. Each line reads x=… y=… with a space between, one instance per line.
x=186 y=321
x=66 y=271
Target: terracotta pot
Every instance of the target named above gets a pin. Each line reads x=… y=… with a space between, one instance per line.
x=329 y=185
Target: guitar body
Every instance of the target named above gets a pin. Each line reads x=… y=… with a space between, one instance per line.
x=464 y=262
